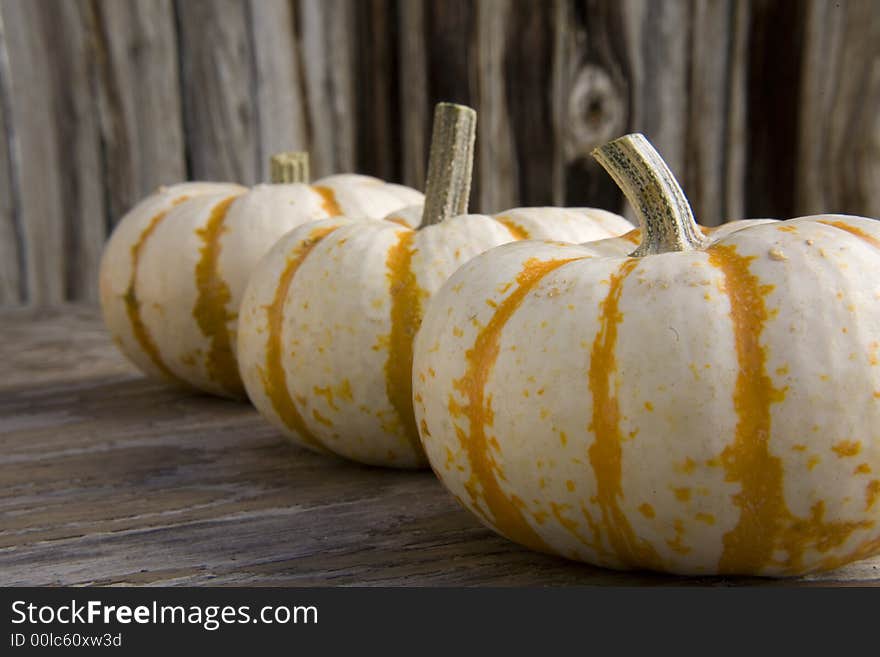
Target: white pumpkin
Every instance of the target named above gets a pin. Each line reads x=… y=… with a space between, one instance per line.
x=329 y=317
x=174 y=270
x=706 y=405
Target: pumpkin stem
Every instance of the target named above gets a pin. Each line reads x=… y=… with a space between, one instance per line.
x=289 y=167
x=665 y=215
x=450 y=163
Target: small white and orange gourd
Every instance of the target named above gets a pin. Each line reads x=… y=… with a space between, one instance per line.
x=329 y=317
x=709 y=404
x=174 y=270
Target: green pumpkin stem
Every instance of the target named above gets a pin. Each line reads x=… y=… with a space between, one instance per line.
x=664 y=213
x=289 y=167
x=450 y=163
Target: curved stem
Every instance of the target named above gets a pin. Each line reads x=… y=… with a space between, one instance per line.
x=450 y=163
x=289 y=167
x=664 y=213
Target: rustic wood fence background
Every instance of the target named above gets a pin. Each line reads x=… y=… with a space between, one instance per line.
x=763 y=108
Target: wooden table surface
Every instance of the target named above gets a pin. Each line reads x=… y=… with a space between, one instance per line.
x=106 y=478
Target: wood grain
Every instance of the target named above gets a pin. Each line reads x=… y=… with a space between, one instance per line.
x=69 y=28
x=13 y=277
x=326 y=29
x=761 y=107
x=596 y=98
x=217 y=72
x=138 y=88
x=839 y=138
x=111 y=479
x=773 y=72
x=414 y=111
x=281 y=120
x=37 y=150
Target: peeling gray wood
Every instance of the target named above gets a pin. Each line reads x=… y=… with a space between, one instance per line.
x=111 y=479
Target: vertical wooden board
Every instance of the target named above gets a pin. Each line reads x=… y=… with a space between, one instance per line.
x=735 y=137
x=528 y=59
x=376 y=80
x=415 y=111
x=451 y=68
x=219 y=108
x=278 y=85
x=774 y=66
x=709 y=105
x=69 y=30
x=838 y=163
x=138 y=88
x=658 y=37
x=60 y=195
x=326 y=29
x=13 y=283
x=592 y=81
x=496 y=155
x=41 y=211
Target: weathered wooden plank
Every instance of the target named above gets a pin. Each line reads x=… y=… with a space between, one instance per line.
x=838 y=155
x=658 y=36
x=13 y=277
x=326 y=29
x=376 y=84
x=451 y=70
x=278 y=86
x=762 y=108
x=60 y=192
x=109 y=478
x=217 y=65
x=735 y=159
x=774 y=81
x=527 y=62
x=30 y=64
x=70 y=34
x=138 y=85
x=709 y=99
x=414 y=109
x=496 y=158
x=594 y=103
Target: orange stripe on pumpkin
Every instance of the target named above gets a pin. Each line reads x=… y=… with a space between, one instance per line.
x=606 y=453
x=133 y=304
x=766 y=525
x=515 y=229
x=210 y=308
x=749 y=546
x=273 y=374
x=634 y=236
x=506 y=510
x=853 y=230
x=406 y=317
x=328 y=203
